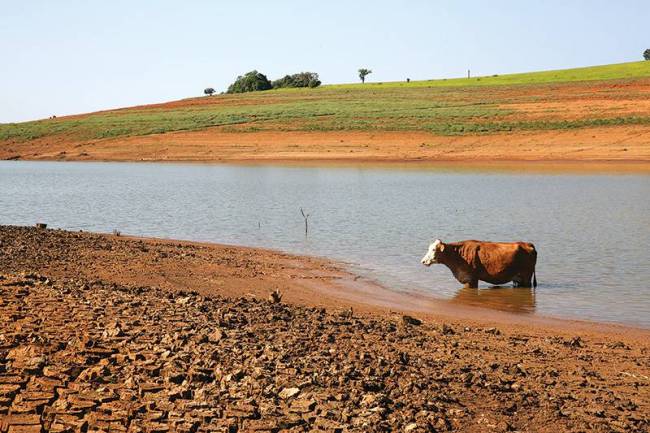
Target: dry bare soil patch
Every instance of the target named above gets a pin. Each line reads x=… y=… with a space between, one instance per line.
x=81 y=352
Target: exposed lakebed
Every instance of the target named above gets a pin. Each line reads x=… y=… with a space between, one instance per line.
x=592 y=231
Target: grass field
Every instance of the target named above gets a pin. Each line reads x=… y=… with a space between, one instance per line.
x=605 y=72
x=553 y=100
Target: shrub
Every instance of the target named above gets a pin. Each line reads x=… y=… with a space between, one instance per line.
x=250 y=82
x=646 y=54
x=208 y=91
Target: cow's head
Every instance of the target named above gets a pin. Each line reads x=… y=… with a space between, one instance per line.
x=433 y=255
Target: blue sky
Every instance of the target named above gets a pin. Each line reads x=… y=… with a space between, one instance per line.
x=70 y=56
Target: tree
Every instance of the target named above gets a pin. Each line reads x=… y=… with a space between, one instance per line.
x=301 y=79
x=250 y=82
x=362 y=74
x=646 y=54
x=208 y=91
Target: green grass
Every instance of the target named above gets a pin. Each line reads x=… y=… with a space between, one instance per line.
x=445 y=107
x=605 y=72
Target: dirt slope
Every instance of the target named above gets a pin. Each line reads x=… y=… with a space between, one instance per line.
x=614 y=144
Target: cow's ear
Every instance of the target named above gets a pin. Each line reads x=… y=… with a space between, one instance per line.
x=441 y=247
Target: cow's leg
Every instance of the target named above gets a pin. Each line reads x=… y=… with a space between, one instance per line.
x=523 y=281
x=472 y=284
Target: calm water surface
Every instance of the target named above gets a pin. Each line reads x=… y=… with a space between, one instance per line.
x=592 y=232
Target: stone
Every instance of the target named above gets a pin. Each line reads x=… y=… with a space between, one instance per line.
x=410 y=320
x=447 y=330
x=288 y=393
x=576 y=342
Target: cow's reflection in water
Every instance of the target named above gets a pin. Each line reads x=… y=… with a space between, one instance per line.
x=512 y=299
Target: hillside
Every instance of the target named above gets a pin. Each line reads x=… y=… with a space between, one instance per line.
x=595 y=113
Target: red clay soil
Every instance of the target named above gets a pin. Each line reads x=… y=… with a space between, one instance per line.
x=616 y=145
x=606 y=144
x=112 y=333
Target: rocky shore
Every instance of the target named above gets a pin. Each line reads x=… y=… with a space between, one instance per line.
x=83 y=352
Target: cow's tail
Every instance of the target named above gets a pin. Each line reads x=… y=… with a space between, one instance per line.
x=534 y=264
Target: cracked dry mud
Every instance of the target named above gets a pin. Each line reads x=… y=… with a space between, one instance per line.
x=90 y=355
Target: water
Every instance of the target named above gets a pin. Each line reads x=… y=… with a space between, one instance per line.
x=592 y=232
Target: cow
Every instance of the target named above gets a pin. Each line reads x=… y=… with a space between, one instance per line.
x=492 y=262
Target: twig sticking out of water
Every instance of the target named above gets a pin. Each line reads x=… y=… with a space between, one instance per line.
x=306 y=217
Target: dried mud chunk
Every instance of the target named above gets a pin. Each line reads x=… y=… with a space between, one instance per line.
x=9 y=390
x=37 y=428
x=302 y=406
x=260 y=425
x=242 y=410
x=113 y=330
x=216 y=336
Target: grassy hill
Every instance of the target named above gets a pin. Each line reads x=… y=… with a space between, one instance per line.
x=608 y=95
x=603 y=72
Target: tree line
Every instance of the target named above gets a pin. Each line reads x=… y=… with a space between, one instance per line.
x=254 y=81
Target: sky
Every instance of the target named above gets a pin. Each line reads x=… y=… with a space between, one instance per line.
x=75 y=56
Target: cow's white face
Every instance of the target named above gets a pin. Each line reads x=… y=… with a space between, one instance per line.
x=433 y=254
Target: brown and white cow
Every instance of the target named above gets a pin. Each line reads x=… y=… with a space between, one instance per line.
x=492 y=262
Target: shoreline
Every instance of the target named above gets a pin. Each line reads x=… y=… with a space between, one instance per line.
x=513 y=166
x=321 y=282
x=355 y=291
x=118 y=333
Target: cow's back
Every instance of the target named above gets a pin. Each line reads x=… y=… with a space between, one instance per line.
x=501 y=260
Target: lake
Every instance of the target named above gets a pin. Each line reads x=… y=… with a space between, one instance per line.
x=592 y=231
